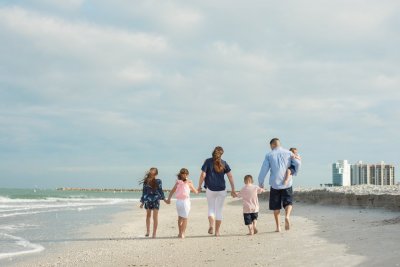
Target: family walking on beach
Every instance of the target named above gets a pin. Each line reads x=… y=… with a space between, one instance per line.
x=282 y=164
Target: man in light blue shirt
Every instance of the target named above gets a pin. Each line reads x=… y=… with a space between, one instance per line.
x=277 y=162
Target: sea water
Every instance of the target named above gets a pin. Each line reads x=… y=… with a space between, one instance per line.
x=33 y=219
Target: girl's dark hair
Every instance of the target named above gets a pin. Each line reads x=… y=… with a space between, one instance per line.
x=150 y=178
x=216 y=155
x=181 y=174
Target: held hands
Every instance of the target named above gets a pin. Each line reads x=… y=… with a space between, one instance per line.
x=167 y=201
x=199 y=190
x=234 y=194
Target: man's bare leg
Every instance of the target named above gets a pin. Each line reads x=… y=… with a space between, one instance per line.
x=288 y=210
x=277 y=213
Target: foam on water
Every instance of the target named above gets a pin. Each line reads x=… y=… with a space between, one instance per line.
x=18 y=205
x=25 y=247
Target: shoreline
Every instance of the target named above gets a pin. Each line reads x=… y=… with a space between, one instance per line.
x=321 y=235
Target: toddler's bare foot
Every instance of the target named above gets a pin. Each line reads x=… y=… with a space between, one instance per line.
x=278 y=230
x=255 y=231
x=217 y=234
x=147 y=235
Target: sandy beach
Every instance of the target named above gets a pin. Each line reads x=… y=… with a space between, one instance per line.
x=320 y=236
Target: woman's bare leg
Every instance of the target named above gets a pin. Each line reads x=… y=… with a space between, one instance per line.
x=155 y=222
x=217 y=226
x=211 y=222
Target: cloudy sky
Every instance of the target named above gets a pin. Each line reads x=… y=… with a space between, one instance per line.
x=93 y=93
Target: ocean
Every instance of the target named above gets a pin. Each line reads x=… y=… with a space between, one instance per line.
x=31 y=220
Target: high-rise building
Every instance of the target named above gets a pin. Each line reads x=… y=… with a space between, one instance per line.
x=373 y=174
x=341 y=174
x=360 y=173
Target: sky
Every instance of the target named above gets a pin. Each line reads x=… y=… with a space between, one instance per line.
x=94 y=93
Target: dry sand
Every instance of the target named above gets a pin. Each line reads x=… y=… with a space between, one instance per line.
x=320 y=236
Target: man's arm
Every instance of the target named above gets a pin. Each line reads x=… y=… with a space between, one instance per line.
x=263 y=172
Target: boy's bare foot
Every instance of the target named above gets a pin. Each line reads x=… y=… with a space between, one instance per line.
x=287 y=224
x=210 y=230
x=255 y=231
x=250 y=233
x=217 y=234
x=154 y=236
x=278 y=230
x=147 y=235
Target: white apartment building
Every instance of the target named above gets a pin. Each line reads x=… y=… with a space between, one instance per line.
x=341 y=173
x=362 y=173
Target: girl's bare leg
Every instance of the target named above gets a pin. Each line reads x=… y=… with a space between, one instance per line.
x=155 y=222
x=184 y=224
x=180 y=219
x=148 y=218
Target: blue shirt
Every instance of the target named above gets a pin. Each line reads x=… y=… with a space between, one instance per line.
x=214 y=181
x=278 y=161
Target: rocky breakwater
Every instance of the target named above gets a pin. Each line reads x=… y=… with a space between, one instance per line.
x=368 y=196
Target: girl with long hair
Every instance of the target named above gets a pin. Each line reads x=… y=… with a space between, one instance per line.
x=151 y=196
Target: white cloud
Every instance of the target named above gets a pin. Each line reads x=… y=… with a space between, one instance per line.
x=55 y=35
x=159 y=83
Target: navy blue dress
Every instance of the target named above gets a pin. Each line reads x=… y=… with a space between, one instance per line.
x=151 y=197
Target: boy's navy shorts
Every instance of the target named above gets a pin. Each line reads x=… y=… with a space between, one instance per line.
x=250 y=217
x=279 y=198
x=292 y=169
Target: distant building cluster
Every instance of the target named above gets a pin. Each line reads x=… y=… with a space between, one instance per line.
x=345 y=174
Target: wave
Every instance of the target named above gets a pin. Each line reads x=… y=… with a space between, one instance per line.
x=27 y=247
x=61 y=199
x=18 y=207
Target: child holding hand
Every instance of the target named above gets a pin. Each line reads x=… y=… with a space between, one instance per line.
x=182 y=189
x=249 y=194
